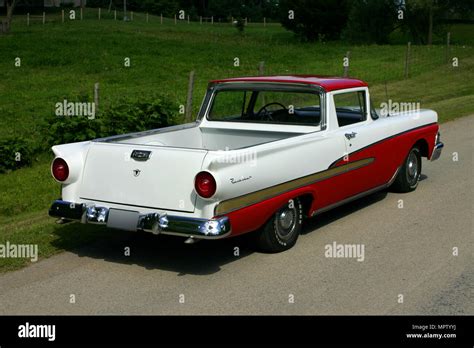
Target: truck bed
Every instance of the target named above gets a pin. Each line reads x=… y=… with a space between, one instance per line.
x=203 y=138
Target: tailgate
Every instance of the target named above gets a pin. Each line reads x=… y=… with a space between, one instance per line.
x=163 y=181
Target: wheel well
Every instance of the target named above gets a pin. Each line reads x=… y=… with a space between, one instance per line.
x=306 y=202
x=423 y=146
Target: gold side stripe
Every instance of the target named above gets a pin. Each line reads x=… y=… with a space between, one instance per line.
x=258 y=196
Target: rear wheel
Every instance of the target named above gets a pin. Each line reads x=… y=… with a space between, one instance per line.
x=409 y=174
x=282 y=230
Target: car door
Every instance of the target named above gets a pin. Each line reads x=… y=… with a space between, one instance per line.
x=354 y=127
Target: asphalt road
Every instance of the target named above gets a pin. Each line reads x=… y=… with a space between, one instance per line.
x=407 y=251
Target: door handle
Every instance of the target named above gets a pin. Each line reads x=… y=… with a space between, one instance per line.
x=349 y=136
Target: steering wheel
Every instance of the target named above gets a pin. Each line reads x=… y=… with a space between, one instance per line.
x=267 y=115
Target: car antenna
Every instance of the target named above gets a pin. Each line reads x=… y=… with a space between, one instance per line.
x=386 y=96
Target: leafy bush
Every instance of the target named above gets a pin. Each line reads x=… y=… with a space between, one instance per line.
x=240 y=25
x=15 y=152
x=124 y=117
x=139 y=116
x=70 y=129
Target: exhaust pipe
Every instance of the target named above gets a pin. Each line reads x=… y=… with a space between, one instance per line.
x=62 y=221
x=191 y=240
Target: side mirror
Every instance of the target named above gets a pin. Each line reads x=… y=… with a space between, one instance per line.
x=374 y=114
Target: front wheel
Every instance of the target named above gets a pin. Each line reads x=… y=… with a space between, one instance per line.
x=409 y=174
x=282 y=230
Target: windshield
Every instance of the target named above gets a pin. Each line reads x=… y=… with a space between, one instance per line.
x=300 y=107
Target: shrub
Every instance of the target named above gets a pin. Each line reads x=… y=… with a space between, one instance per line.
x=240 y=25
x=70 y=129
x=15 y=152
x=125 y=116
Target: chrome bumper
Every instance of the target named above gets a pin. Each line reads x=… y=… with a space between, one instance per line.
x=155 y=222
x=437 y=151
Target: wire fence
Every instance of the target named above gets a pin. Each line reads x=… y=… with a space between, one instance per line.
x=113 y=14
x=402 y=65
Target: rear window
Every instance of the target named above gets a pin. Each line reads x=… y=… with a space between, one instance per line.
x=266 y=106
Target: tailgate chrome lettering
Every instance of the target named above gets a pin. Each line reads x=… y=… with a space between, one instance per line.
x=140 y=155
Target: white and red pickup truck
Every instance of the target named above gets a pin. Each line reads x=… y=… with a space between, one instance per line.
x=263 y=154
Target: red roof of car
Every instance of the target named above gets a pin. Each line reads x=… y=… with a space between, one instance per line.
x=327 y=82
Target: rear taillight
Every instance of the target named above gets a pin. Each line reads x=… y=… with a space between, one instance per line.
x=205 y=184
x=60 y=169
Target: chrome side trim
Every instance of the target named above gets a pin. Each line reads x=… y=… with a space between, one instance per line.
x=168 y=129
x=357 y=196
x=243 y=201
x=380 y=141
x=157 y=223
x=347 y=200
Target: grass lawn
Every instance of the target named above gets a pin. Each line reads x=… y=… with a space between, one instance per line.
x=63 y=61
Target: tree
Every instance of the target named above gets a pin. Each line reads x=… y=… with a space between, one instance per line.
x=430 y=21
x=10 y=7
x=371 y=21
x=315 y=19
x=222 y=9
x=425 y=17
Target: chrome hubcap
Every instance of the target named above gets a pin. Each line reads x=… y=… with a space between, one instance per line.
x=286 y=219
x=285 y=222
x=412 y=168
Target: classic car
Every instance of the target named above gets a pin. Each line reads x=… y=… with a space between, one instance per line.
x=263 y=154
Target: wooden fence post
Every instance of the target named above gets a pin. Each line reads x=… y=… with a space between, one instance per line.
x=99 y=13
x=200 y=19
x=147 y=17
x=161 y=18
x=62 y=16
x=264 y=21
x=28 y=19
x=131 y=16
x=96 y=96
x=189 y=99
x=212 y=20
x=44 y=17
x=261 y=68
x=407 y=60
x=448 y=42
x=115 y=15
x=81 y=13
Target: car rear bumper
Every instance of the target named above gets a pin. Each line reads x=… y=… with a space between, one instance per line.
x=156 y=223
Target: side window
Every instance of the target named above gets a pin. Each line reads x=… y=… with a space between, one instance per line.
x=350 y=108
